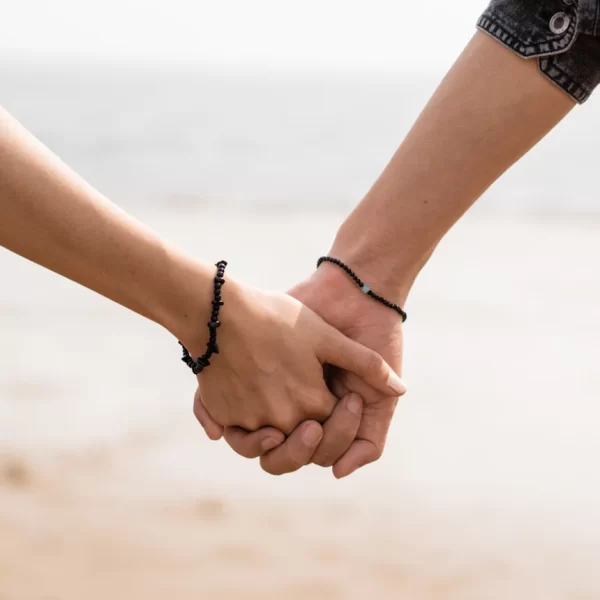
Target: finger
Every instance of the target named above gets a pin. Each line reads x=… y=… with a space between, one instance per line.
x=370 y=439
x=252 y=444
x=296 y=451
x=360 y=453
x=213 y=430
x=339 y=431
x=343 y=352
x=319 y=407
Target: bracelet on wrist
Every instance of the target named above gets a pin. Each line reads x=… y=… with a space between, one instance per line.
x=363 y=286
x=198 y=365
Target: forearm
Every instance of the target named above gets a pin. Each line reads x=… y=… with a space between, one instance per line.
x=488 y=112
x=52 y=217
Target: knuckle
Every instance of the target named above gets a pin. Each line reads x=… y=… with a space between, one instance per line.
x=251 y=423
x=319 y=407
x=369 y=455
x=374 y=362
x=286 y=422
x=319 y=413
x=377 y=453
x=323 y=459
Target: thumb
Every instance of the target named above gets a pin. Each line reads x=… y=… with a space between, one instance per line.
x=351 y=356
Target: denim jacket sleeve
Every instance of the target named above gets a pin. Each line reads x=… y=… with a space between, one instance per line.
x=563 y=35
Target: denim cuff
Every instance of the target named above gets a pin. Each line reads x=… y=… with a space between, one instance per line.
x=563 y=35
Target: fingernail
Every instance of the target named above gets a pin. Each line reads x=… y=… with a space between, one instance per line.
x=269 y=444
x=396 y=384
x=312 y=435
x=354 y=404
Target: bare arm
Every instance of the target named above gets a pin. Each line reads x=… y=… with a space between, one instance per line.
x=490 y=110
x=52 y=217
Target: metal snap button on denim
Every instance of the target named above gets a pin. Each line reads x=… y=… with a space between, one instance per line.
x=559 y=23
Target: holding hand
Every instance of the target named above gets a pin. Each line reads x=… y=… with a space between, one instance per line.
x=269 y=371
x=355 y=434
x=331 y=294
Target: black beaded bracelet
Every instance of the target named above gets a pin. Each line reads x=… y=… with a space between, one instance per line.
x=363 y=286
x=211 y=347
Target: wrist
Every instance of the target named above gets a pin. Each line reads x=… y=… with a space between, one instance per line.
x=333 y=295
x=185 y=306
x=389 y=273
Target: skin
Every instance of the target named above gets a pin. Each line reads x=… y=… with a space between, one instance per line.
x=491 y=109
x=270 y=367
x=273 y=348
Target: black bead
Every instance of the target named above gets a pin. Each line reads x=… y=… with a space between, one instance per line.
x=211 y=347
x=359 y=283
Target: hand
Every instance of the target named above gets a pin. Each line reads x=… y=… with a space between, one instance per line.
x=270 y=367
x=278 y=457
x=358 y=437
x=331 y=294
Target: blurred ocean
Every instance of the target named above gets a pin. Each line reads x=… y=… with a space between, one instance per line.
x=272 y=142
x=489 y=487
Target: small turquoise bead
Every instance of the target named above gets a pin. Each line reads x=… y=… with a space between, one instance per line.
x=365 y=288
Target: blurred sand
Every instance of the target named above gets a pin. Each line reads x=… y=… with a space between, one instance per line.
x=489 y=488
x=81 y=531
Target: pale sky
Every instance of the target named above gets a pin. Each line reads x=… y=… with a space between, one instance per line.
x=392 y=35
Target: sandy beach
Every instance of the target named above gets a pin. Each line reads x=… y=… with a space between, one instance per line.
x=113 y=541
x=488 y=489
